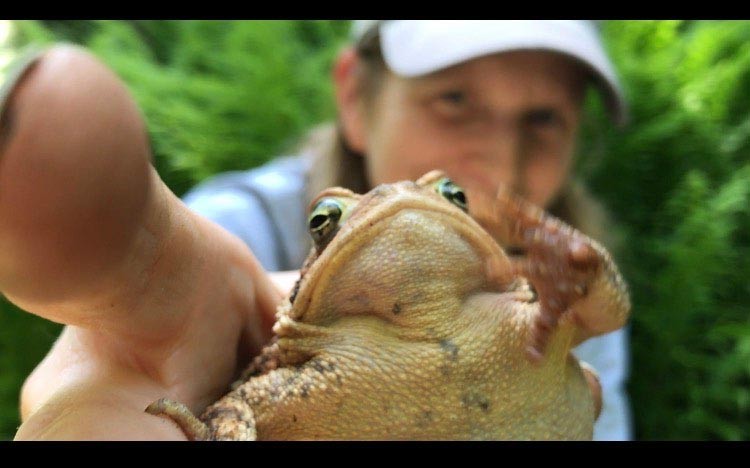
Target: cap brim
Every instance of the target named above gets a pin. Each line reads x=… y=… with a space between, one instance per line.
x=415 y=47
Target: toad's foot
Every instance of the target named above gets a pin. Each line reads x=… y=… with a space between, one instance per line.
x=570 y=272
x=193 y=428
x=561 y=263
x=229 y=419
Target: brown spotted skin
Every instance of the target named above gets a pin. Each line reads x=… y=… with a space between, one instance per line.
x=571 y=273
x=413 y=323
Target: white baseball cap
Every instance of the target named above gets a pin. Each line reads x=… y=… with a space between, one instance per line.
x=418 y=47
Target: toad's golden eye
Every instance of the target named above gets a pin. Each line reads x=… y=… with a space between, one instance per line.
x=324 y=221
x=452 y=192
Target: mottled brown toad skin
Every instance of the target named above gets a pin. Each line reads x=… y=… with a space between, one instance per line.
x=400 y=329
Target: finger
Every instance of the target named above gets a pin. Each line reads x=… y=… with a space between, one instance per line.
x=89 y=234
x=595 y=386
x=102 y=406
x=91 y=237
x=74 y=178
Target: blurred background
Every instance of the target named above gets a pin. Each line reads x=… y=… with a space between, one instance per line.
x=221 y=96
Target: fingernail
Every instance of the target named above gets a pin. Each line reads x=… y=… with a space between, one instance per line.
x=7 y=117
x=17 y=71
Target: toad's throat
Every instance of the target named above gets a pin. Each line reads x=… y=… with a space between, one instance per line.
x=360 y=230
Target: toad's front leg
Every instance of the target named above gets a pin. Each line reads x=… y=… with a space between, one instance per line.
x=230 y=418
x=571 y=273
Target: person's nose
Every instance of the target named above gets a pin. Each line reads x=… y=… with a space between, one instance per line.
x=502 y=151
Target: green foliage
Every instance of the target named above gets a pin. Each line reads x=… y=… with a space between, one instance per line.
x=678 y=180
x=24 y=340
x=221 y=96
x=216 y=95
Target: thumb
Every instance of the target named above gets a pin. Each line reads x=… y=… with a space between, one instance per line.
x=74 y=178
x=89 y=234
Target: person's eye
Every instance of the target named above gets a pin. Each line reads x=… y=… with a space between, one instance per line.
x=544 y=119
x=452 y=104
x=453 y=97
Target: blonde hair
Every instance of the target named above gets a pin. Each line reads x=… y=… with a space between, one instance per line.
x=332 y=163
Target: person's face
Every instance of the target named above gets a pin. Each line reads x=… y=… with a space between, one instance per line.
x=509 y=118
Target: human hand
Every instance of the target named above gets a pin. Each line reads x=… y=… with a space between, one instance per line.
x=157 y=300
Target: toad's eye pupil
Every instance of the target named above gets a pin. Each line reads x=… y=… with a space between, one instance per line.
x=324 y=221
x=453 y=193
x=459 y=198
x=317 y=221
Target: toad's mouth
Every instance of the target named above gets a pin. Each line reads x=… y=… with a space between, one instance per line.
x=372 y=216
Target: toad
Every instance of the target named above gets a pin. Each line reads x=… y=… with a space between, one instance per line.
x=424 y=312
